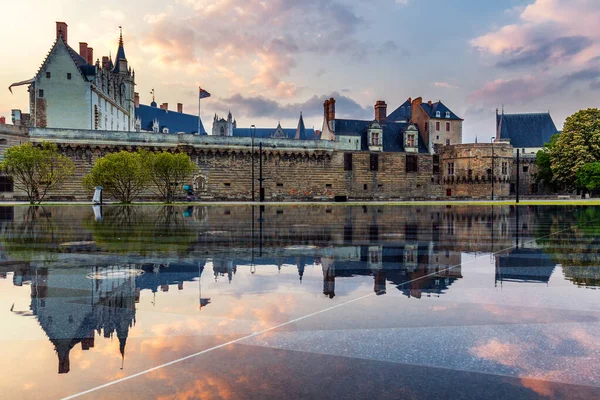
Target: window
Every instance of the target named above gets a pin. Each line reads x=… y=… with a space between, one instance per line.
x=426 y=126
x=374 y=165
x=227 y=184
x=470 y=173
x=451 y=169
x=328 y=186
x=447 y=142
x=438 y=114
x=280 y=185
x=410 y=141
x=437 y=126
x=504 y=168
x=41 y=93
x=6 y=184
x=449 y=192
x=347 y=161
x=411 y=163
x=366 y=187
x=525 y=168
x=437 y=137
x=375 y=139
x=48 y=75
x=447 y=114
x=68 y=75
x=447 y=126
x=436 y=164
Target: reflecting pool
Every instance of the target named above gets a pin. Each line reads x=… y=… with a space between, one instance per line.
x=227 y=302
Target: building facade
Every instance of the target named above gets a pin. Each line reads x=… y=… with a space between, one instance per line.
x=72 y=91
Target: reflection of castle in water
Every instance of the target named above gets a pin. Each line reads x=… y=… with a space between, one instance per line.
x=524 y=265
x=71 y=308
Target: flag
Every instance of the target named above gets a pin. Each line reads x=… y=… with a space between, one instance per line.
x=204 y=94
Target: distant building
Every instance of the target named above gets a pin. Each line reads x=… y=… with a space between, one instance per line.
x=157 y=119
x=526 y=132
x=228 y=127
x=437 y=123
x=72 y=91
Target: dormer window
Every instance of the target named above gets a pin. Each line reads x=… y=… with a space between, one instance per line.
x=447 y=114
x=165 y=130
x=438 y=114
x=375 y=140
x=48 y=75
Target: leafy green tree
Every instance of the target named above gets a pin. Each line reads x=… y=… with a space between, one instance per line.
x=544 y=166
x=579 y=144
x=36 y=170
x=122 y=175
x=588 y=177
x=169 y=172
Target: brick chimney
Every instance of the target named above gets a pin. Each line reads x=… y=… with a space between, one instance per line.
x=83 y=47
x=136 y=99
x=180 y=108
x=90 y=56
x=326 y=110
x=3 y=120
x=165 y=106
x=429 y=103
x=381 y=111
x=410 y=100
x=105 y=62
x=331 y=109
x=62 y=29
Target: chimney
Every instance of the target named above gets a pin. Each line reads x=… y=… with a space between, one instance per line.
x=410 y=100
x=417 y=101
x=62 y=30
x=90 y=56
x=429 y=103
x=136 y=99
x=180 y=108
x=3 y=120
x=326 y=110
x=165 y=106
x=83 y=47
x=331 y=109
x=104 y=62
x=381 y=111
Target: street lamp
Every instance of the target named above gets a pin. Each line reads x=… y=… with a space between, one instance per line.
x=252 y=134
x=493 y=138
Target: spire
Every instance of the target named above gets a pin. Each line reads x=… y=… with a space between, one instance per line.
x=301 y=130
x=120 y=55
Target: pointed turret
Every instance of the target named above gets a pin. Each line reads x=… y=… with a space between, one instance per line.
x=301 y=130
x=121 y=60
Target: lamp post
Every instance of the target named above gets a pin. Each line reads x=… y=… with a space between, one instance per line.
x=252 y=134
x=493 y=138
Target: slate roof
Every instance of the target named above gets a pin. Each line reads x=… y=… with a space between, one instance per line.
x=174 y=121
x=404 y=112
x=392 y=134
x=526 y=130
x=301 y=130
x=120 y=54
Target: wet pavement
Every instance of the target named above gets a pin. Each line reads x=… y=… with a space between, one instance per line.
x=227 y=302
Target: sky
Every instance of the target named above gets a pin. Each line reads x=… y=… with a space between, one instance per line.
x=268 y=60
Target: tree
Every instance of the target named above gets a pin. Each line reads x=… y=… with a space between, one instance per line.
x=588 y=177
x=169 y=172
x=36 y=170
x=544 y=166
x=579 y=144
x=122 y=175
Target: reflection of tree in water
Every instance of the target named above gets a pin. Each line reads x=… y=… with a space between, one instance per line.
x=571 y=235
x=37 y=230
x=142 y=230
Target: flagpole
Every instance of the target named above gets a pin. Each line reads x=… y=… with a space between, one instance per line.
x=199 y=100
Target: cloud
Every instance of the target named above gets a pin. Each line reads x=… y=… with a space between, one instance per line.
x=531 y=87
x=444 y=85
x=269 y=37
x=549 y=34
x=262 y=107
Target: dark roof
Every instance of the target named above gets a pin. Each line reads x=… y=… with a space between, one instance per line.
x=392 y=134
x=439 y=106
x=174 y=121
x=120 y=54
x=266 y=133
x=526 y=130
x=402 y=113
